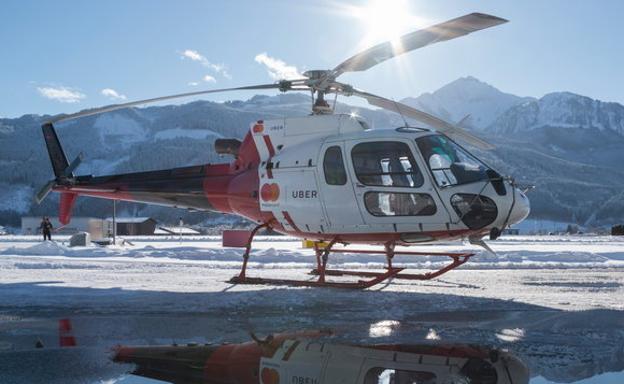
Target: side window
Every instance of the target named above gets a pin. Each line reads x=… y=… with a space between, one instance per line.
x=386 y=163
x=333 y=166
x=399 y=204
x=398 y=376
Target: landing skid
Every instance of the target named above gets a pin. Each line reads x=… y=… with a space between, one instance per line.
x=458 y=259
x=361 y=284
x=374 y=277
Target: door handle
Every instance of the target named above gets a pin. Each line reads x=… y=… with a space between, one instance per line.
x=359 y=185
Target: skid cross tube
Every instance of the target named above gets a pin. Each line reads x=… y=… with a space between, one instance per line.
x=242 y=275
x=322 y=254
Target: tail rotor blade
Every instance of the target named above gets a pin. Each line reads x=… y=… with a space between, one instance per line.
x=73 y=165
x=44 y=191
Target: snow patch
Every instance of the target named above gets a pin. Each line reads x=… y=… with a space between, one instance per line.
x=511 y=335
x=119 y=128
x=188 y=133
x=432 y=335
x=383 y=328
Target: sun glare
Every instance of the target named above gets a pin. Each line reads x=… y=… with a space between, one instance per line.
x=385 y=20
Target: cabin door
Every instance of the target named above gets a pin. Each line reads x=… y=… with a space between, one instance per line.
x=338 y=196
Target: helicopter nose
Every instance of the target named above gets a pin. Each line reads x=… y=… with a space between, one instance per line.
x=521 y=208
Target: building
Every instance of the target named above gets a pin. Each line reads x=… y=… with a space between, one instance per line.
x=94 y=226
x=511 y=231
x=132 y=226
x=176 y=231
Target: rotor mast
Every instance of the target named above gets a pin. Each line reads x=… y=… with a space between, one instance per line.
x=319 y=82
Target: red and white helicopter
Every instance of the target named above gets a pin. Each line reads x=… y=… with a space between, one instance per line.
x=327 y=176
x=306 y=357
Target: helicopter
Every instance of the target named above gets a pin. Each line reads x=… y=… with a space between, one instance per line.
x=329 y=177
x=307 y=357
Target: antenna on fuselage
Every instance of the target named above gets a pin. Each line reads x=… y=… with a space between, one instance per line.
x=396 y=105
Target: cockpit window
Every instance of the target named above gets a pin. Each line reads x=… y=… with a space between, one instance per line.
x=386 y=163
x=398 y=376
x=333 y=166
x=450 y=164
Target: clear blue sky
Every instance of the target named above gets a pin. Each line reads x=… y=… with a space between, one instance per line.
x=72 y=50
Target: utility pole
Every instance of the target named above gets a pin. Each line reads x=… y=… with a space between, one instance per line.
x=114 y=222
x=181 y=223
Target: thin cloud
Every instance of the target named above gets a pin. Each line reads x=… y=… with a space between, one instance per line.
x=61 y=94
x=209 y=79
x=193 y=83
x=198 y=57
x=194 y=55
x=277 y=69
x=112 y=94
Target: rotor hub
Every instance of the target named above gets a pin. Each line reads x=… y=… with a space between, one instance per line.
x=319 y=74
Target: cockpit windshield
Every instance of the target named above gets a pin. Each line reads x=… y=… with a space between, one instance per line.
x=450 y=164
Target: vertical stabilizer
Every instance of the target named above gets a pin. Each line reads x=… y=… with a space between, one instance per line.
x=66 y=205
x=66 y=337
x=57 y=156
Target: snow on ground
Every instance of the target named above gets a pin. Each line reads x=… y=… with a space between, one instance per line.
x=545 y=252
x=556 y=272
x=556 y=301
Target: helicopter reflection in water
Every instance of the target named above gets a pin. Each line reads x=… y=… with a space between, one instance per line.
x=306 y=358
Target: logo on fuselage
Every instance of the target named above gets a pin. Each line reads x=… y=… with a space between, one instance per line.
x=270 y=192
x=304 y=194
x=278 y=127
x=269 y=376
x=258 y=127
x=303 y=380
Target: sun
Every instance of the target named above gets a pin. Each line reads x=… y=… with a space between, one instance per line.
x=385 y=20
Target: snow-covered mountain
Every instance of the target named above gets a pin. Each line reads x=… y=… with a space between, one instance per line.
x=561 y=109
x=467 y=96
x=569 y=126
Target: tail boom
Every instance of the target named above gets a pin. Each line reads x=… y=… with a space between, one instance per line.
x=210 y=188
x=224 y=188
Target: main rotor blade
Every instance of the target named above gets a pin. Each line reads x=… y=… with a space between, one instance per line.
x=435 y=122
x=440 y=32
x=115 y=107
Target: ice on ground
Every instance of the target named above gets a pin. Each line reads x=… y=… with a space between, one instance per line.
x=565 y=320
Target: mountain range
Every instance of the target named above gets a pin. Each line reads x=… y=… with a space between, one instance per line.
x=569 y=146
